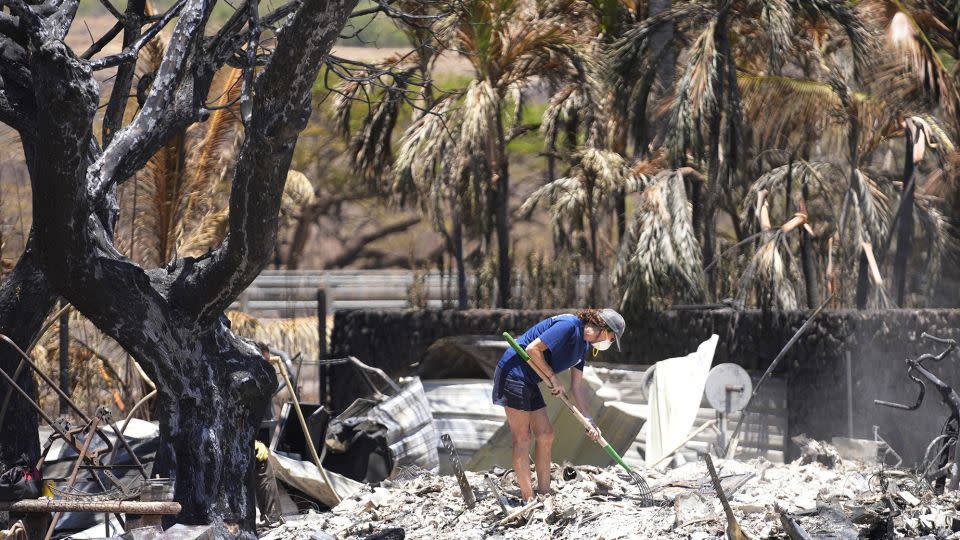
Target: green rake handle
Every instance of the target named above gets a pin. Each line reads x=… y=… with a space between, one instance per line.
x=576 y=412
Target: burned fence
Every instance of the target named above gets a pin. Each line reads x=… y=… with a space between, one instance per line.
x=833 y=373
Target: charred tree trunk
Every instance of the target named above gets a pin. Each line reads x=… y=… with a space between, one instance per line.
x=458 y=257
x=807 y=259
x=905 y=230
x=25 y=301
x=710 y=202
x=209 y=412
x=661 y=45
x=502 y=221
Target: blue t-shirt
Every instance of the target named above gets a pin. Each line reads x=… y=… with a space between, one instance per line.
x=563 y=336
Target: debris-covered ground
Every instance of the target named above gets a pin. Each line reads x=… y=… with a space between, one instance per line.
x=845 y=500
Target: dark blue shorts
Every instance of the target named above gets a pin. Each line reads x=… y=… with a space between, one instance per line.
x=516 y=394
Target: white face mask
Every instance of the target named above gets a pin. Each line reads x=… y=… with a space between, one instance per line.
x=602 y=345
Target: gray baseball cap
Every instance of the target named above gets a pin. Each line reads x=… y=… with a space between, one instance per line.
x=615 y=323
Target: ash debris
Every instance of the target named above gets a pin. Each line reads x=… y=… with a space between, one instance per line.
x=804 y=499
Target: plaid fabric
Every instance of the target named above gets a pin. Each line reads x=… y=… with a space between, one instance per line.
x=410 y=431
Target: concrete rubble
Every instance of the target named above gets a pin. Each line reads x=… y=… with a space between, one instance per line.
x=845 y=500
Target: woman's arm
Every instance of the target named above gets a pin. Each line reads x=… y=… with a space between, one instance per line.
x=535 y=351
x=580 y=398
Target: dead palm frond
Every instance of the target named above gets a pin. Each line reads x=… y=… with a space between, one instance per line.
x=939 y=242
x=873 y=208
x=659 y=260
x=595 y=178
x=298 y=193
x=696 y=100
x=916 y=56
x=172 y=198
x=784 y=112
x=298 y=335
x=770 y=273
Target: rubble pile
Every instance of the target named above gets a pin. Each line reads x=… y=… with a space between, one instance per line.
x=847 y=500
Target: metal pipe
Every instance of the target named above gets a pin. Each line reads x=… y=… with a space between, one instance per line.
x=306 y=432
x=44 y=505
x=46 y=378
x=16 y=373
x=766 y=374
x=139 y=404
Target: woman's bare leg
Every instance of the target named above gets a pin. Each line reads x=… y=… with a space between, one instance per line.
x=543 y=433
x=519 y=422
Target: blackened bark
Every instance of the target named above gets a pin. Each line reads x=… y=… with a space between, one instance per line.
x=458 y=257
x=905 y=230
x=661 y=45
x=123 y=80
x=279 y=113
x=863 y=280
x=212 y=400
x=807 y=258
x=25 y=301
x=502 y=198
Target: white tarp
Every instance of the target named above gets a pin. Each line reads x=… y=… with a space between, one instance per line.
x=675 y=398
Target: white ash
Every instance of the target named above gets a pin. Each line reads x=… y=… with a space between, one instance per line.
x=603 y=503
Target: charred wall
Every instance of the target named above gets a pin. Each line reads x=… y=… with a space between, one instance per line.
x=877 y=343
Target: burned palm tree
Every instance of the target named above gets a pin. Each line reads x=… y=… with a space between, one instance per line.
x=453 y=158
x=578 y=201
x=705 y=113
x=659 y=261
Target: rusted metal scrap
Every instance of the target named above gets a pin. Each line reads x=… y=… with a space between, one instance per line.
x=468 y=497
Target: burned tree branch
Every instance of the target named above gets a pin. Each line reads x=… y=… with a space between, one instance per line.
x=131 y=142
x=124 y=77
x=112 y=9
x=99 y=44
x=129 y=53
x=279 y=113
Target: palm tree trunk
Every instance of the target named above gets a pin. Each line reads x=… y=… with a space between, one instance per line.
x=710 y=204
x=621 y=210
x=662 y=40
x=863 y=281
x=458 y=256
x=905 y=231
x=502 y=201
x=594 y=257
x=713 y=172
x=807 y=259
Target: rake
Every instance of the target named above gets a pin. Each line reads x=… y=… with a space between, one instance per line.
x=634 y=476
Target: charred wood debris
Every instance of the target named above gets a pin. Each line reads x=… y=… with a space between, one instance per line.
x=853 y=489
